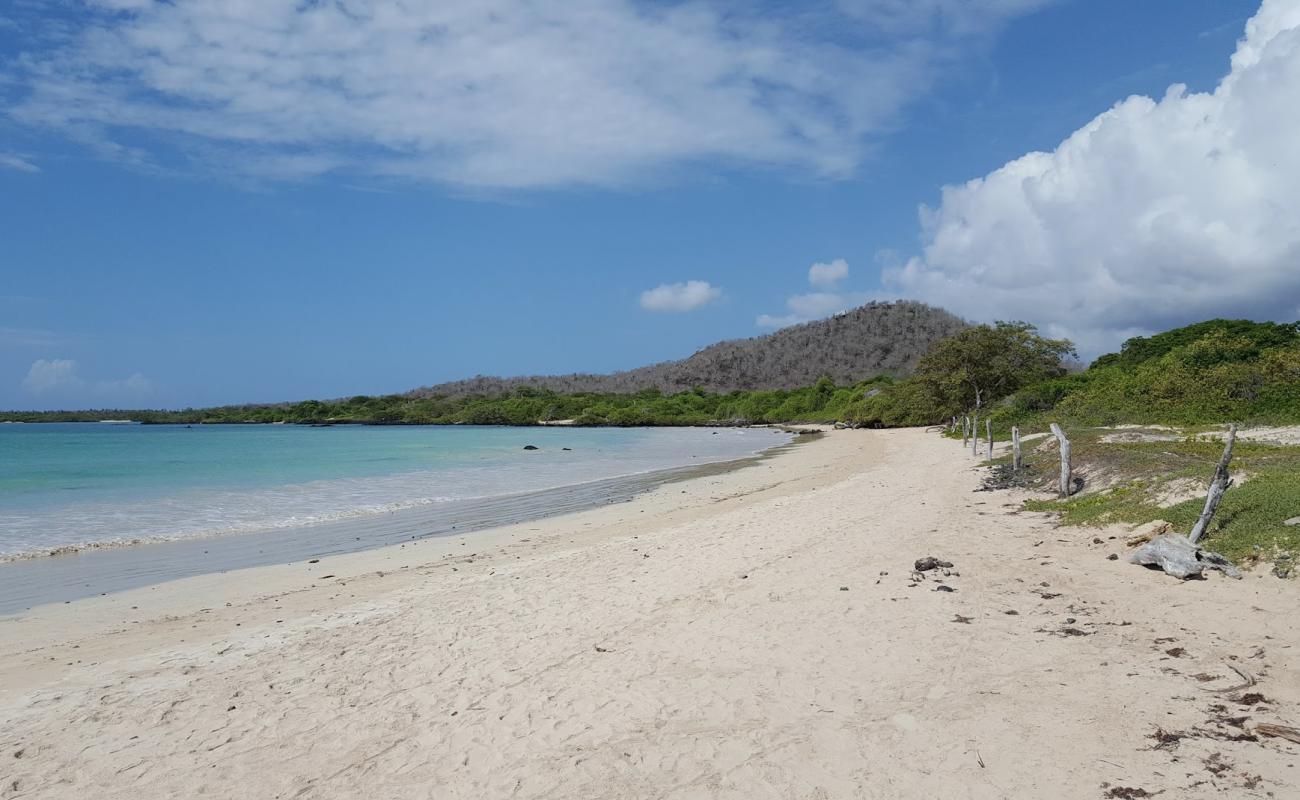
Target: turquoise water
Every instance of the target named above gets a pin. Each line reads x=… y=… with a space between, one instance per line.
x=69 y=485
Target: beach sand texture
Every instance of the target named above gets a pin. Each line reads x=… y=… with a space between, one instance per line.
x=754 y=634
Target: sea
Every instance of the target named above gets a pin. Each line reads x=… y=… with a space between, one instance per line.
x=87 y=508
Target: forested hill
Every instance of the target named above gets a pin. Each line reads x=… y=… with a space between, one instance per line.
x=878 y=338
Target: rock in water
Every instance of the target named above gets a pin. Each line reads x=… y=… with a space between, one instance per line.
x=930 y=562
x=1179 y=557
x=530 y=447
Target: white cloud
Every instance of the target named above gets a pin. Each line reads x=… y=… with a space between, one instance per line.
x=58 y=378
x=493 y=93
x=16 y=162
x=48 y=376
x=825 y=275
x=814 y=305
x=1154 y=214
x=679 y=297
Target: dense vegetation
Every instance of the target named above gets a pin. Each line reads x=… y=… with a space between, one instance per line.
x=1205 y=373
x=875 y=339
x=823 y=401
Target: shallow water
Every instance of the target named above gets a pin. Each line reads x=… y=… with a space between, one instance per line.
x=142 y=504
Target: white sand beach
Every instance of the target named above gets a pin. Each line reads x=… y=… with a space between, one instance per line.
x=755 y=634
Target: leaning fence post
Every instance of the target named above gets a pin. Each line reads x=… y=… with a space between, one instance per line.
x=1015 y=448
x=1066 y=480
x=1218 y=485
x=988 y=429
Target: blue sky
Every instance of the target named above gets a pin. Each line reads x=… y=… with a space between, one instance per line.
x=302 y=206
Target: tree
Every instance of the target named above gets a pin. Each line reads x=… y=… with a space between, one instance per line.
x=985 y=363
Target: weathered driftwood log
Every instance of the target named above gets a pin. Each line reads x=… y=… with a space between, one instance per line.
x=988 y=429
x=1015 y=448
x=1177 y=556
x=1067 y=478
x=1218 y=485
x=1280 y=731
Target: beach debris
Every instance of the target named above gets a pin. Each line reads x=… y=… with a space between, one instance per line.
x=1282 y=566
x=1278 y=731
x=961 y=619
x=942 y=588
x=844 y=588
x=1180 y=558
x=1250 y=699
x=600 y=649
x=1127 y=793
x=1176 y=652
x=930 y=562
x=531 y=447
x=1113 y=557
x=1147 y=531
x=1247 y=680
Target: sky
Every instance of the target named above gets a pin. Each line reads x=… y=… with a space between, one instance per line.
x=219 y=201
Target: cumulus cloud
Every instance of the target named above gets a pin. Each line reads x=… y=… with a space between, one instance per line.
x=815 y=305
x=825 y=275
x=58 y=378
x=679 y=297
x=1154 y=214
x=16 y=162
x=492 y=93
x=48 y=376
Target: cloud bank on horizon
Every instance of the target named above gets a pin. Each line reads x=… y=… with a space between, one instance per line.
x=59 y=379
x=1155 y=214
x=489 y=94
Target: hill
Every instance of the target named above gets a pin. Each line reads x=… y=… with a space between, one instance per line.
x=875 y=339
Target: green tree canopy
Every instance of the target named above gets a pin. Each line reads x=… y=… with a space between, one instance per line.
x=985 y=363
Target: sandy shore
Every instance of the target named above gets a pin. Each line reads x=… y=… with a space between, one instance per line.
x=754 y=634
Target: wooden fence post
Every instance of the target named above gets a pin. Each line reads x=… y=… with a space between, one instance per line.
x=975 y=436
x=1015 y=448
x=1067 y=479
x=1218 y=485
x=965 y=430
x=988 y=429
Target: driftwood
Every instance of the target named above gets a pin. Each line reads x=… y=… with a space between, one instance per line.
x=1067 y=479
x=1145 y=533
x=1218 y=485
x=1279 y=731
x=1015 y=448
x=1177 y=556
